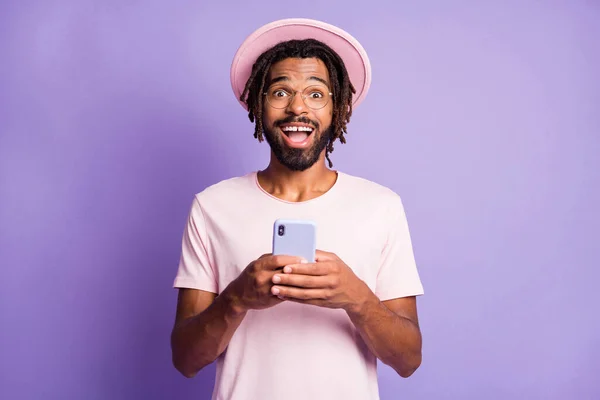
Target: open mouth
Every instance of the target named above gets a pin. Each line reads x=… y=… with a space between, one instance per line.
x=297 y=134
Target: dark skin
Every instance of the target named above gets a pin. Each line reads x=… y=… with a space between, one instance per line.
x=205 y=322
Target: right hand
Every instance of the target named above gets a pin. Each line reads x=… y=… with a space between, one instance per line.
x=251 y=290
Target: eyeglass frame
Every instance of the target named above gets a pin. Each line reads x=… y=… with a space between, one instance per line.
x=294 y=95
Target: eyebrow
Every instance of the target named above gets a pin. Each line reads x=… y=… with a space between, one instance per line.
x=286 y=79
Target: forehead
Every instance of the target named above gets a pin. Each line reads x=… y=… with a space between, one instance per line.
x=299 y=69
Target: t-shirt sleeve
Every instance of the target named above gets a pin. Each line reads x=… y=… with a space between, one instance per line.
x=398 y=275
x=196 y=271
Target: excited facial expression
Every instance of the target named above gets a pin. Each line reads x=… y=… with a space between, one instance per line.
x=297 y=133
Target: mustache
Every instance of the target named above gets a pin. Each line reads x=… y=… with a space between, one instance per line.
x=299 y=120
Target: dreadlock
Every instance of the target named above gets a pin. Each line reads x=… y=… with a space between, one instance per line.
x=341 y=87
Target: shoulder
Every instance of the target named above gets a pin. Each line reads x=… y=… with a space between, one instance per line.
x=221 y=190
x=224 y=194
x=362 y=189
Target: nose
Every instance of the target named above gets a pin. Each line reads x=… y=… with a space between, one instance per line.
x=297 y=105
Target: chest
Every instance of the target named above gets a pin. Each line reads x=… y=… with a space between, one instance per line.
x=238 y=236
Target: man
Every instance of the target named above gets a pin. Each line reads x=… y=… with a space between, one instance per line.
x=279 y=327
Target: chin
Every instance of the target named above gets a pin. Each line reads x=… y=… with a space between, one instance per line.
x=293 y=158
x=294 y=161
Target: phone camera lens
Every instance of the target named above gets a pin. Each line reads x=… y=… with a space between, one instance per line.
x=281 y=230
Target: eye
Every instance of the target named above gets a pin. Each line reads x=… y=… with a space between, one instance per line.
x=315 y=95
x=279 y=93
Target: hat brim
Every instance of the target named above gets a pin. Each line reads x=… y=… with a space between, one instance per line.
x=347 y=47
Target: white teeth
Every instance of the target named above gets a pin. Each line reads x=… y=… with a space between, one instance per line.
x=297 y=129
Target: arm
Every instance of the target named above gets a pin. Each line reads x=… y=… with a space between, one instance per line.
x=204 y=325
x=391 y=331
x=390 y=328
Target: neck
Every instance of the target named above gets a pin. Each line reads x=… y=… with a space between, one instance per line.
x=297 y=186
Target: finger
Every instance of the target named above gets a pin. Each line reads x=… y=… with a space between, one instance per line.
x=319 y=303
x=289 y=292
x=308 y=269
x=321 y=256
x=279 y=261
x=302 y=281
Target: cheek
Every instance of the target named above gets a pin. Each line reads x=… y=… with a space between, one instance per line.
x=268 y=117
x=325 y=117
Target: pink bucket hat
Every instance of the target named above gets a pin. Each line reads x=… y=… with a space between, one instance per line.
x=347 y=47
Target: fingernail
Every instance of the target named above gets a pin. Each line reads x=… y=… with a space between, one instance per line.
x=303 y=261
x=275 y=290
x=281 y=297
x=276 y=278
x=287 y=270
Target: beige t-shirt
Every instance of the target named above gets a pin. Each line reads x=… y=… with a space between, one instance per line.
x=294 y=351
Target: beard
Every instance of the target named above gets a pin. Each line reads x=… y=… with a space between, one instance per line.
x=297 y=159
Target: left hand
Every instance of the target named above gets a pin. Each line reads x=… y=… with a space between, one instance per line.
x=328 y=282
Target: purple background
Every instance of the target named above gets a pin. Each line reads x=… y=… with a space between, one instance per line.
x=484 y=116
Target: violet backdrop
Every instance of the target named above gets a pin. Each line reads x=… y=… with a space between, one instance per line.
x=483 y=115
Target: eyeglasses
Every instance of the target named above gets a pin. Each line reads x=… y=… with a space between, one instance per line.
x=315 y=97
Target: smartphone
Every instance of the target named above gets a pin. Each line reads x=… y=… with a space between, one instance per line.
x=293 y=237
